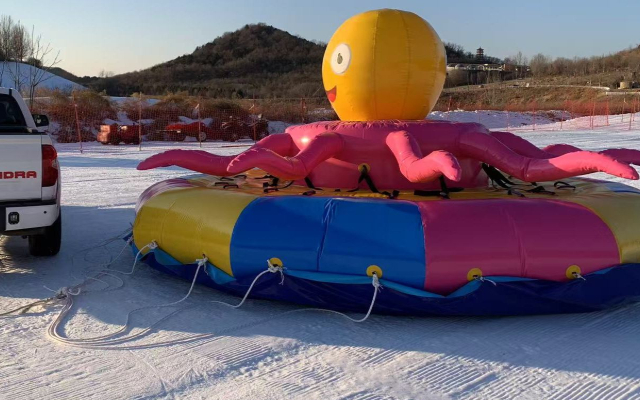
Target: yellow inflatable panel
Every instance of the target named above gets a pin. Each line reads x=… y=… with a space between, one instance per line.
x=190 y=228
x=621 y=212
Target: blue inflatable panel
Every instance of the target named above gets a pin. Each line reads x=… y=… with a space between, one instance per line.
x=333 y=235
x=289 y=228
x=364 y=232
x=493 y=296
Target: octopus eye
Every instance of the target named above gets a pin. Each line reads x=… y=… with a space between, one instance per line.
x=340 y=59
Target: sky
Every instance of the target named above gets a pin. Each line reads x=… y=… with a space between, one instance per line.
x=127 y=35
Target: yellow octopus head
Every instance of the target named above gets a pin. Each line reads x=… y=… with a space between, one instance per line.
x=384 y=64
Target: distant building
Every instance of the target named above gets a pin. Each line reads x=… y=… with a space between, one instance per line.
x=480 y=54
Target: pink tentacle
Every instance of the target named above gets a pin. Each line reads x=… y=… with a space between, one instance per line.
x=194 y=160
x=481 y=146
x=560 y=149
x=520 y=145
x=212 y=164
x=320 y=148
x=419 y=169
x=628 y=156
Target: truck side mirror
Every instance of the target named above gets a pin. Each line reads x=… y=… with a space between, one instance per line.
x=40 y=120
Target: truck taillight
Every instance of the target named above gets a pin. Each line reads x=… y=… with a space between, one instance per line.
x=50 y=167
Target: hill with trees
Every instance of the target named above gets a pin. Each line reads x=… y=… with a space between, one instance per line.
x=256 y=60
x=605 y=70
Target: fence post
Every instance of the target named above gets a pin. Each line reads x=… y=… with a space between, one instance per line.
x=533 y=105
x=199 y=125
x=254 y=122
x=448 y=108
x=624 y=103
x=140 y=123
x=608 y=112
x=75 y=107
x=571 y=110
x=303 y=109
x=593 y=114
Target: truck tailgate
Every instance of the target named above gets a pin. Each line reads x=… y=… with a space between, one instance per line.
x=20 y=166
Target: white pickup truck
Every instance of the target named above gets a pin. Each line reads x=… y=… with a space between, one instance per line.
x=29 y=177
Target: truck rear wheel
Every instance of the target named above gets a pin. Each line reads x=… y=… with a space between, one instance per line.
x=48 y=243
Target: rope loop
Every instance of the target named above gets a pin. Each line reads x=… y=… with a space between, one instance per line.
x=577 y=275
x=483 y=279
x=375 y=281
x=276 y=269
x=202 y=261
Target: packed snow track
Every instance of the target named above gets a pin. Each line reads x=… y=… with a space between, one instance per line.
x=263 y=350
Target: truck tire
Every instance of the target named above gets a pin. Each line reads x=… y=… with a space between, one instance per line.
x=48 y=243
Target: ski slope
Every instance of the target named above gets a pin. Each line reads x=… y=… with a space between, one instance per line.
x=10 y=73
x=268 y=350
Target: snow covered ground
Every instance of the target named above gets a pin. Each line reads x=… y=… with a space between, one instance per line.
x=498 y=119
x=263 y=350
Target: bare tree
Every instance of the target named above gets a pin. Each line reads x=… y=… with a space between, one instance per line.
x=6 y=49
x=106 y=74
x=21 y=48
x=41 y=59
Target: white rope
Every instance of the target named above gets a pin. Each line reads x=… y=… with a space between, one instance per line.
x=377 y=286
x=105 y=341
x=151 y=246
x=193 y=338
x=577 y=275
x=97 y=341
x=109 y=340
x=483 y=279
x=58 y=293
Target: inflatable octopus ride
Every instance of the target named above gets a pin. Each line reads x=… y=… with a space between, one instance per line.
x=449 y=218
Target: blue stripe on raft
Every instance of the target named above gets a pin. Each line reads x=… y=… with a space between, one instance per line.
x=508 y=296
x=364 y=232
x=289 y=228
x=332 y=235
x=166 y=263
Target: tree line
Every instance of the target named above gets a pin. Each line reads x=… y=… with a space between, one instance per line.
x=623 y=65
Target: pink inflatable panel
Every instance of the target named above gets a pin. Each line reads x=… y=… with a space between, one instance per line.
x=511 y=237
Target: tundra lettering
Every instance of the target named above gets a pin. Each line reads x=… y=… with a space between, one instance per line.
x=18 y=174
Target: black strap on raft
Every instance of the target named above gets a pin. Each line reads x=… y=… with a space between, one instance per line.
x=497 y=178
x=273 y=185
x=563 y=185
x=443 y=192
x=364 y=176
x=310 y=184
x=541 y=190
